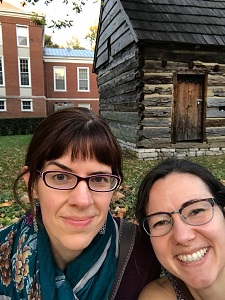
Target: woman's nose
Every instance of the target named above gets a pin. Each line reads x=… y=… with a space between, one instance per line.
x=181 y=232
x=80 y=195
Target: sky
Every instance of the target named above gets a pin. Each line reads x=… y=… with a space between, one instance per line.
x=58 y=11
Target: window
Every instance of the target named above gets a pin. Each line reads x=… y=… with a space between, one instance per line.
x=22 y=36
x=86 y=105
x=83 y=79
x=0 y=34
x=1 y=72
x=24 y=65
x=59 y=78
x=2 y=105
x=26 y=105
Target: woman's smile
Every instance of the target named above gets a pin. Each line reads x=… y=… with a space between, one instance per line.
x=194 y=257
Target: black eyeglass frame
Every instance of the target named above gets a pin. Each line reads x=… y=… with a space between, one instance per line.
x=210 y=200
x=79 y=178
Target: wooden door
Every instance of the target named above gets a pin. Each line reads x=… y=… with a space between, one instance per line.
x=188 y=108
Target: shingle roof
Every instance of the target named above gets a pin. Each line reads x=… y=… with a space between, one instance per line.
x=68 y=52
x=182 y=21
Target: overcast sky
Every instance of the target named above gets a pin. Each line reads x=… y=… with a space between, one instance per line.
x=59 y=11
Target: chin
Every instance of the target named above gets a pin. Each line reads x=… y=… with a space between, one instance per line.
x=202 y=283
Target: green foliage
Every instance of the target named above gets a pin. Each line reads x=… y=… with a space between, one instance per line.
x=76 y=6
x=91 y=35
x=39 y=21
x=14 y=126
x=49 y=43
x=74 y=44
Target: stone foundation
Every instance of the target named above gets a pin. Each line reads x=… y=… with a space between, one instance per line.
x=177 y=150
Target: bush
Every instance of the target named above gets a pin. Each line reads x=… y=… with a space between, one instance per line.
x=17 y=126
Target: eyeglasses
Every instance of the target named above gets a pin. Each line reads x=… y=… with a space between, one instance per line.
x=61 y=180
x=194 y=212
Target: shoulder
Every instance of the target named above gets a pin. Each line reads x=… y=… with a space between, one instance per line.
x=142 y=265
x=158 y=289
x=142 y=252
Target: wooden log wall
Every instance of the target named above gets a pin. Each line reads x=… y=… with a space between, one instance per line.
x=156 y=107
x=120 y=88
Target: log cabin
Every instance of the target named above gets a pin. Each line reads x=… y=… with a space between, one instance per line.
x=160 y=68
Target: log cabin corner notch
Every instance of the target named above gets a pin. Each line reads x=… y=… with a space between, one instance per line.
x=161 y=75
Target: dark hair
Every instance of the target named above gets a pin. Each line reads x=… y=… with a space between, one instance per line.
x=173 y=165
x=75 y=129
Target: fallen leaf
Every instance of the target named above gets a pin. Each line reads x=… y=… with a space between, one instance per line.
x=126 y=188
x=117 y=196
x=120 y=212
x=6 y=203
x=14 y=220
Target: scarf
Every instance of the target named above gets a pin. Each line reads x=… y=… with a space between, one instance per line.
x=28 y=270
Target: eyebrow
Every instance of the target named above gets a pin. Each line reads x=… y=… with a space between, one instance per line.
x=185 y=204
x=61 y=166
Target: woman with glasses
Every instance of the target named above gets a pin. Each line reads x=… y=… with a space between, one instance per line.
x=181 y=207
x=68 y=246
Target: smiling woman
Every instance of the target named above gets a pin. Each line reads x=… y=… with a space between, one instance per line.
x=181 y=206
x=68 y=245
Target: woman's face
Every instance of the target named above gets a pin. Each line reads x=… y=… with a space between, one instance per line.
x=186 y=242
x=72 y=218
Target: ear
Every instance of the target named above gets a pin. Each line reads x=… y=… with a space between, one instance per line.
x=26 y=178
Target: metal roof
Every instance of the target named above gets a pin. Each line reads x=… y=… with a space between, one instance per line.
x=60 y=52
x=182 y=21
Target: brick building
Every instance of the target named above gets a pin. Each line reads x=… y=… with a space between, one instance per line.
x=69 y=80
x=21 y=65
x=35 y=81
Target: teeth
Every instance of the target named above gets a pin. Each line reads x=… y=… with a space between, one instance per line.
x=194 y=256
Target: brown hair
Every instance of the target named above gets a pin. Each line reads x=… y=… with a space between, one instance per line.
x=174 y=165
x=75 y=129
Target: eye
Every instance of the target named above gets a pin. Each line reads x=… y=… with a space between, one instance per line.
x=195 y=212
x=160 y=220
x=161 y=223
x=60 y=177
x=100 y=179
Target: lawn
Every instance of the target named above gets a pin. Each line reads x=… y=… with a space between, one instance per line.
x=13 y=149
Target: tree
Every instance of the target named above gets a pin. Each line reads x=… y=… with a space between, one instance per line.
x=49 y=43
x=74 y=44
x=76 y=6
x=91 y=36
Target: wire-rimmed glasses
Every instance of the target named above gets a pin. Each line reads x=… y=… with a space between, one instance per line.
x=62 y=180
x=193 y=212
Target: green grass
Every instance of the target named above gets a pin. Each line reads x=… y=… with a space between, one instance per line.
x=13 y=149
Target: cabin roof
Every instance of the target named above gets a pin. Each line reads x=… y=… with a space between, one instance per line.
x=180 y=21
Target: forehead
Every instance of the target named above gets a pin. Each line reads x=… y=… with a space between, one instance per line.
x=171 y=192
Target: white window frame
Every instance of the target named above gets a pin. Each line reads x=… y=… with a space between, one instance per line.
x=63 y=69
x=87 y=79
x=26 y=100
x=22 y=32
x=20 y=77
x=0 y=34
x=2 y=71
x=4 y=104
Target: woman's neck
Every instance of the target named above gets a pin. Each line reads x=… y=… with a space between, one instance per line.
x=62 y=257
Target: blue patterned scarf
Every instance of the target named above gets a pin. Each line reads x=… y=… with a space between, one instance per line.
x=28 y=270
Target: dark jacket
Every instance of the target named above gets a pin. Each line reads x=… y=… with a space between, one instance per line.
x=141 y=268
